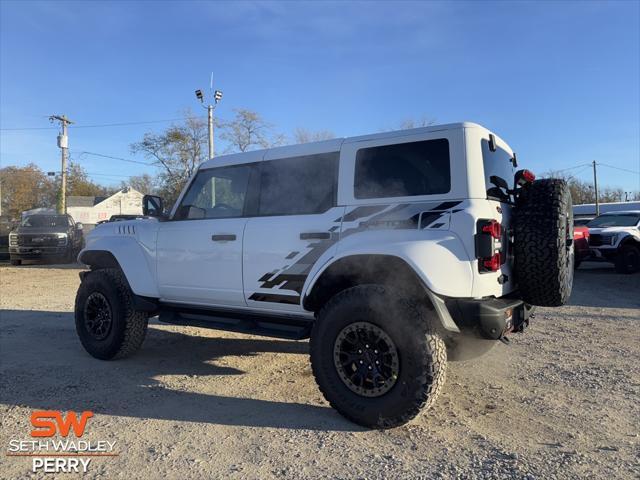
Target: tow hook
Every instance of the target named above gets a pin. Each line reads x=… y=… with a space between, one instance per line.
x=505 y=340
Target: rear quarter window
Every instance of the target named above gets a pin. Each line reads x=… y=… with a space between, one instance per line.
x=403 y=170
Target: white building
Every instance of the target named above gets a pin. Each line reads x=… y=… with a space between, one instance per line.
x=91 y=210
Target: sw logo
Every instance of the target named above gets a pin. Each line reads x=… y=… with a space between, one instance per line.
x=48 y=422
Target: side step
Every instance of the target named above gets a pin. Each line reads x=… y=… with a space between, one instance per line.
x=265 y=325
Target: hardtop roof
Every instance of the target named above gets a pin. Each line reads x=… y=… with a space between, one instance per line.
x=323 y=146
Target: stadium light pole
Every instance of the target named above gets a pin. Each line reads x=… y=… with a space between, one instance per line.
x=217 y=96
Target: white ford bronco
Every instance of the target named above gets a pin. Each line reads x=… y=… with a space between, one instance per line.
x=392 y=252
x=615 y=237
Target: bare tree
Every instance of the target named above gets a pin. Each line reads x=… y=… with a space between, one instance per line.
x=248 y=131
x=178 y=151
x=144 y=183
x=408 y=123
x=302 y=135
x=583 y=192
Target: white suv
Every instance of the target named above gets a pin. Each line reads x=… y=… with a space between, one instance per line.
x=391 y=251
x=615 y=237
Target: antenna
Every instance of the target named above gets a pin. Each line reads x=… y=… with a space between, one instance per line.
x=211 y=82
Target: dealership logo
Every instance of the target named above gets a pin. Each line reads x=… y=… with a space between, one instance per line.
x=68 y=454
x=48 y=422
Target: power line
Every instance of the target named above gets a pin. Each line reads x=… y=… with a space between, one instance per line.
x=113 y=158
x=618 y=168
x=571 y=168
x=101 y=125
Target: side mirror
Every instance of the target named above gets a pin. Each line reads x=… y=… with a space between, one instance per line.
x=79 y=226
x=152 y=206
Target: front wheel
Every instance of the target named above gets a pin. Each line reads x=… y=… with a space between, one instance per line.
x=106 y=322
x=376 y=357
x=628 y=259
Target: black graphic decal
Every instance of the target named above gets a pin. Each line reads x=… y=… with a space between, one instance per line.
x=401 y=216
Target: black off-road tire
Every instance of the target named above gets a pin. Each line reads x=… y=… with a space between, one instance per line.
x=128 y=326
x=15 y=262
x=543 y=243
x=421 y=351
x=628 y=259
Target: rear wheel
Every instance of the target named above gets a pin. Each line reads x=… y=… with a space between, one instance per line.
x=106 y=322
x=376 y=357
x=543 y=243
x=628 y=259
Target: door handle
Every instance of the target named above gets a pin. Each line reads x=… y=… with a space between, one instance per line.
x=223 y=238
x=315 y=236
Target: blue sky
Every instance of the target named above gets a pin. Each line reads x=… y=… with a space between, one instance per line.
x=559 y=81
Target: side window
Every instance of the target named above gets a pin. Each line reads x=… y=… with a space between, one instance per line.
x=298 y=185
x=403 y=170
x=216 y=193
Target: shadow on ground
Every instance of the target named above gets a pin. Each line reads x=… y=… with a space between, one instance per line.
x=599 y=285
x=45 y=367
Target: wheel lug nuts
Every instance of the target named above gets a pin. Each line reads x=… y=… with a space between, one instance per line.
x=359 y=351
x=366 y=346
x=375 y=351
x=370 y=367
x=361 y=362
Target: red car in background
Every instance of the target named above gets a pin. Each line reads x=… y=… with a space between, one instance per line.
x=581 y=243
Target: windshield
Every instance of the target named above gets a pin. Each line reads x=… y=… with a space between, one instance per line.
x=616 y=220
x=45 y=221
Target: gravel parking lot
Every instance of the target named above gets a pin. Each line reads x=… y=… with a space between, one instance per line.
x=562 y=401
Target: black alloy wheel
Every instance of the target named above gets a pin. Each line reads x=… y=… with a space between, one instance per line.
x=98 y=316
x=366 y=359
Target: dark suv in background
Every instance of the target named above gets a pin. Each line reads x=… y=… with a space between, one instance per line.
x=40 y=237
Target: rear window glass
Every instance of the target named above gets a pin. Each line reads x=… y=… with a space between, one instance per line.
x=403 y=170
x=496 y=164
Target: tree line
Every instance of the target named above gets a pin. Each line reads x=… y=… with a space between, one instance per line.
x=179 y=149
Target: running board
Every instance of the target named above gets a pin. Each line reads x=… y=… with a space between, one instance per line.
x=251 y=323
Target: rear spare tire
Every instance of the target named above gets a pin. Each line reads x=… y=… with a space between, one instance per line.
x=543 y=242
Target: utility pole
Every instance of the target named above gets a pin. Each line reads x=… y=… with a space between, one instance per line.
x=63 y=144
x=217 y=96
x=595 y=187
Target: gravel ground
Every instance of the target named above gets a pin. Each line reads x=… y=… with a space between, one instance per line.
x=562 y=401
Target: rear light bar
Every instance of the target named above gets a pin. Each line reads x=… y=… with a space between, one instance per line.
x=489 y=245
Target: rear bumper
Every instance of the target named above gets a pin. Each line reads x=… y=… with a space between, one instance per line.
x=490 y=318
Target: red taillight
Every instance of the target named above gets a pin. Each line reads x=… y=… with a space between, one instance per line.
x=493 y=228
x=493 y=263
x=528 y=175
